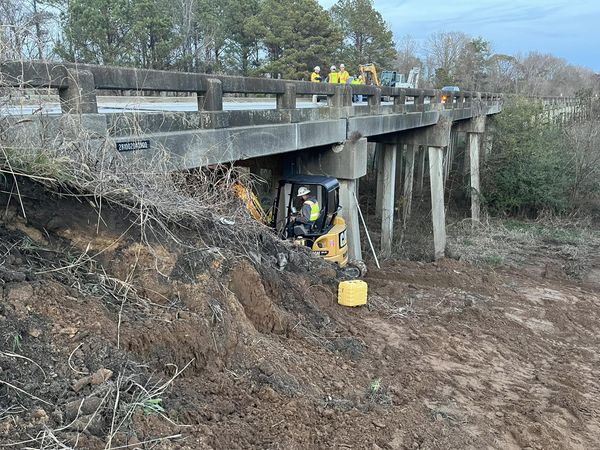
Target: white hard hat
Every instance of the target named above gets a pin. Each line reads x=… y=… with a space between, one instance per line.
x=317 y=69
x=332 y=68
x=342 y=66
x=303 y=191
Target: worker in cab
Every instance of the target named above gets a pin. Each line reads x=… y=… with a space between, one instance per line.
x=315 y=77
x=344 y=76
x=334 y=76
x=310 y=207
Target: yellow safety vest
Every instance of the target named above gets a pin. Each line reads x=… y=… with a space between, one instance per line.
x=334 y=77
x=315 y=210
x=344 y=77
x=315 y=77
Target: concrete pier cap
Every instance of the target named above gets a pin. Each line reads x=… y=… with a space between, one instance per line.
x=346 y=160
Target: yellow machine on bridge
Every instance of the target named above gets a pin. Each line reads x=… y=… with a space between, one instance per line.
x=368 y=72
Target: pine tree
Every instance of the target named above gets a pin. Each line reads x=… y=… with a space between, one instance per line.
x=367 y=37
x=297 y=35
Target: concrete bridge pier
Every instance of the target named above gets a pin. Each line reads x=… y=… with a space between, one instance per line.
x=347 y=162
x=435 y=138
x=407 y=192
x=420 y=165
x=475 y=129
x=387 y=203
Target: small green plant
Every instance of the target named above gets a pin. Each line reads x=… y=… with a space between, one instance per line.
x=16 y=344
x=377 y=393
x=494 y=260
x=374 y=386
x=153 y=406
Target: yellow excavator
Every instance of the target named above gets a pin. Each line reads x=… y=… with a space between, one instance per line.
x=326 y=237
x=368 y=72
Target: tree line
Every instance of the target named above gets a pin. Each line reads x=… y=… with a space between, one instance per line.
x=276 y=38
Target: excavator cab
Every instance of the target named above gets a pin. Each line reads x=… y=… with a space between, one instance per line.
x=327 y=235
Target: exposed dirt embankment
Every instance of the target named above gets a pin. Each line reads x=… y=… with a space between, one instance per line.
x=109 y=340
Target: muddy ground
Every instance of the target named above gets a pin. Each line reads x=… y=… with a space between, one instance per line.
x=149 y=346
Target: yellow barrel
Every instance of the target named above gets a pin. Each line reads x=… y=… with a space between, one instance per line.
x=352 y=293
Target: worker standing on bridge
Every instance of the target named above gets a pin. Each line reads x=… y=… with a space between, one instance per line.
x=334 y=76
x=344 y=75
x=315 y=77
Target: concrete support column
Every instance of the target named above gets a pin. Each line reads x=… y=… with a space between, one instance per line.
x=436 y=178
x=212 y=98
x=80 y=96
x=287 y=100
x=409 y=170
x=349 y=212
x=380 y=179
x=399 y=172
x=422 y=154
x=474 y=145
x=387 y=212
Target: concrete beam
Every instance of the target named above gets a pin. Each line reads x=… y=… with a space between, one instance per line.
x=438 y=213
x=377 y=125
x=197 y=148
x=349 y=212
x=437 y=135
x=389 y=182
x=475 y=124
x=347 y=160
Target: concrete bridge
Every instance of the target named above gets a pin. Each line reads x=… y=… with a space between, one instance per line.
x=330 y=140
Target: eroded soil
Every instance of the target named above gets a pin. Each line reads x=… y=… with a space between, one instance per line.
x=446 y=355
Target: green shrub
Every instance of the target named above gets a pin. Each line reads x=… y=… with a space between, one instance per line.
x=529 y=169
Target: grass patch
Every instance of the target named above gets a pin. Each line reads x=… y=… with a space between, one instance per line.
x=572 y=243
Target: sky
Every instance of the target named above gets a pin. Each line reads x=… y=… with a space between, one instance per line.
x=569 y=29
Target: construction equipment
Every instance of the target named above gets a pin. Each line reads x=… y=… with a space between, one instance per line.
x=327 y=236
x=369 y=74
x=412 y=81
x=389 y=78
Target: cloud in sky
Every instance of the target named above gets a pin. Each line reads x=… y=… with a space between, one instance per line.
x=566 y=28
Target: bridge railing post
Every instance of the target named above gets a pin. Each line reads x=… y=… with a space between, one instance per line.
x=419 y=101
x=400 y=100
x=212 y=98
x=80 y=95
x=287 y=100
x=375 y=99
x=342 y=97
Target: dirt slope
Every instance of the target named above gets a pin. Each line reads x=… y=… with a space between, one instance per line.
x=445 y=356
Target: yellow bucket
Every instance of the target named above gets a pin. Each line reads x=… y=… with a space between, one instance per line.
x=352 y=293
